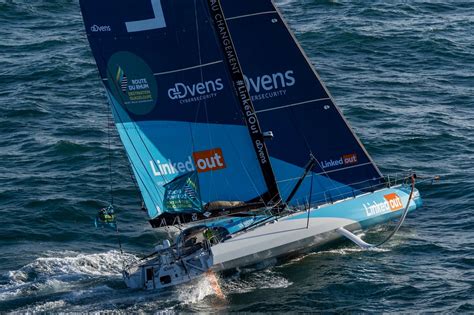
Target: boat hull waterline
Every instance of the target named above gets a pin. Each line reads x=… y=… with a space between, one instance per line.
x=287 y=236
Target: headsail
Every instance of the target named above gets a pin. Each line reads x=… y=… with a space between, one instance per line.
x=292 y=102
x=173 y=103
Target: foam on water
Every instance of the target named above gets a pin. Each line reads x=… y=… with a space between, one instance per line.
x=66 y=272
x=45 y=307
x=195 y=292
x=265 y=279
x=74 y=277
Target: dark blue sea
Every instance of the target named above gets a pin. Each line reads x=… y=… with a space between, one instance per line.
x=401 y=71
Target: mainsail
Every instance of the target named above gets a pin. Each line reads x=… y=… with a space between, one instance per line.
x=174 y=105
x=182 y=114
x=292 y=102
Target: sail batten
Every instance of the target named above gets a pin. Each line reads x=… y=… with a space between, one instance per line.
x=250 y=15
x=292 y=105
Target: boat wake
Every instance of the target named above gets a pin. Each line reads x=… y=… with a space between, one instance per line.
x=67 y=274
x=66 y=281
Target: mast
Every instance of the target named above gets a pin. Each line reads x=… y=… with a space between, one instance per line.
x=244 y=99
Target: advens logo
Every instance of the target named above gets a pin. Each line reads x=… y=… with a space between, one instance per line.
x=269 y=85
x=195 y=92
x=260 y=87
x=392 y=202
x=101 y=28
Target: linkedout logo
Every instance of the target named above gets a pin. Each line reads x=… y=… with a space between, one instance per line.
x=101 y=28
x=203 y=161
x=345 y=160
x=169 y=167
x=210 y=160
x=270 y=85
x=195 y=92
x=392 y=202
x=350 y=159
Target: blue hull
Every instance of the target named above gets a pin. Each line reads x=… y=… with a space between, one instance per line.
x=297 y=233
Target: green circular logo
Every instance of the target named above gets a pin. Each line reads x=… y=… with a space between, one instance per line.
x=132 y=83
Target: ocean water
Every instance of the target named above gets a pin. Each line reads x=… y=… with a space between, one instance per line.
x=401 y=71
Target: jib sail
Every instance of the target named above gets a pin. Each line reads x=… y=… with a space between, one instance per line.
x=292 y=102
x=174 y=104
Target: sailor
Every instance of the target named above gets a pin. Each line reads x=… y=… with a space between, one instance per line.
x=106 y=216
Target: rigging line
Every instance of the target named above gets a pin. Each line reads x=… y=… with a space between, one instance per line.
x=198 y=41
x=246 y=170
x=109 y=113
x=291 y=105
x=249 y=15
x=335 y=171
x=305 y=139
x=241 y=161
x=138 y=132
x=309 y=201
x=144 y=185
x=181 y=69
x=138 y=155
x=149 y=153
x=345 y=194
x=111 y=180
x=200 y=65
x=308 y=62
x=193 y=148
x=135 y=183
x=110 y=159
x=136 y=151
x=119 y=242
x=308 y=168
x=242 y=95
x=198 y=109
x=230 y=188
x=238 y=110
x=197 y=36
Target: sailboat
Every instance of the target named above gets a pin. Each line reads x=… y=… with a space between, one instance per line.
x=232 y=136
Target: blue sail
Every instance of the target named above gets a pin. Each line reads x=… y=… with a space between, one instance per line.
x=173 y=101
x=292 y=102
